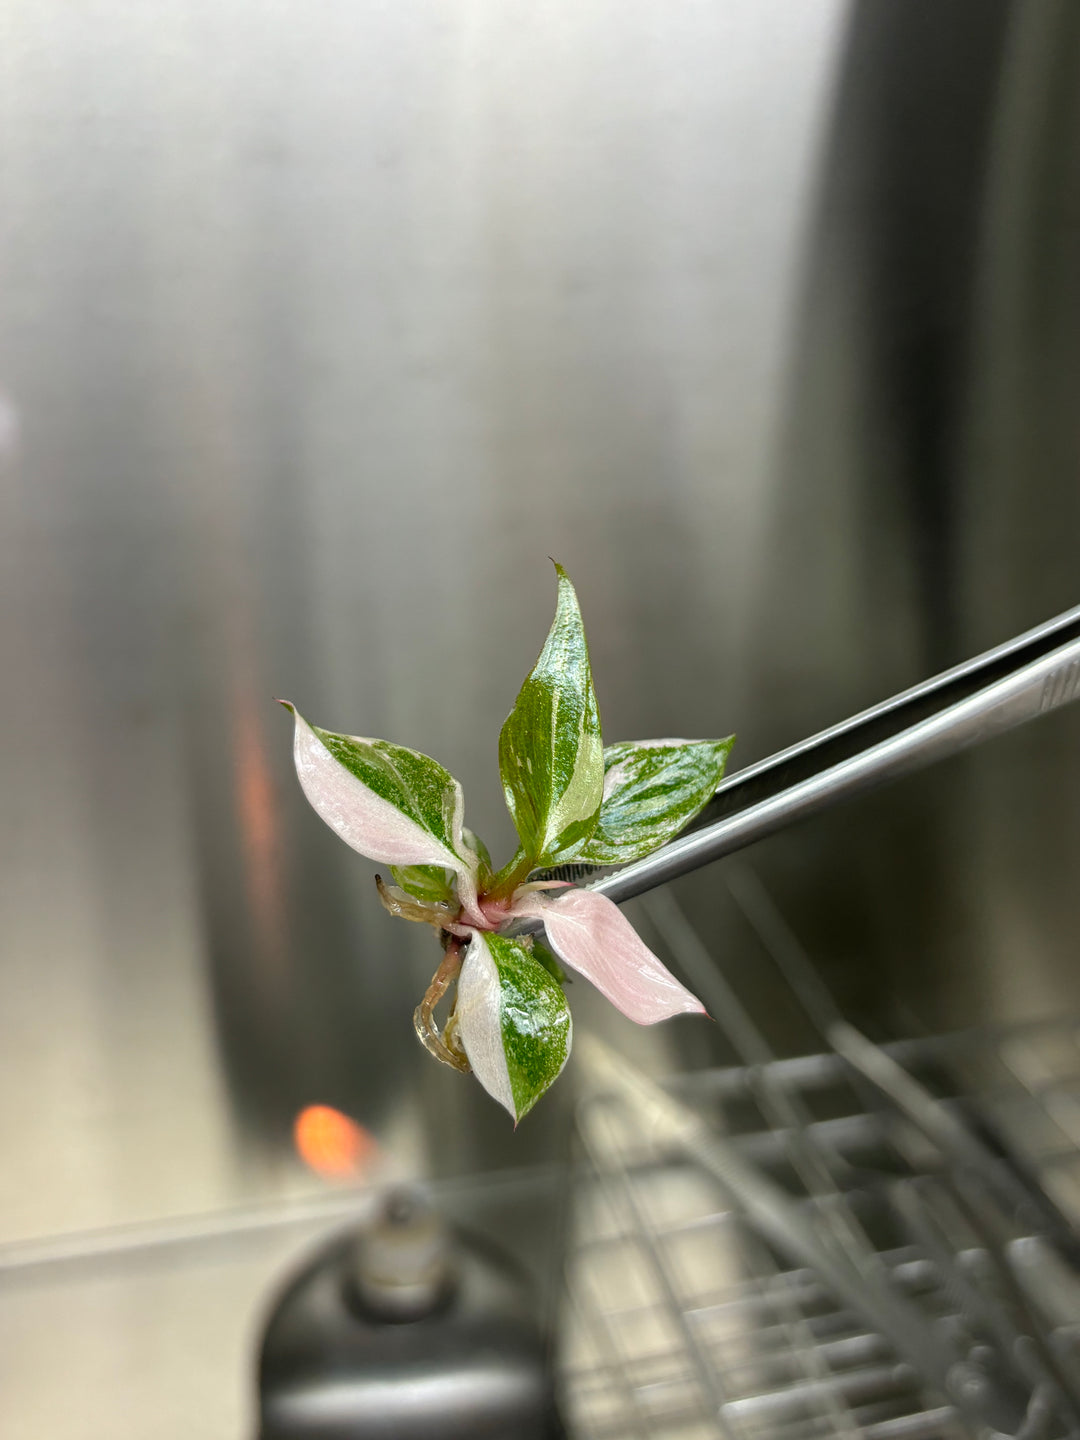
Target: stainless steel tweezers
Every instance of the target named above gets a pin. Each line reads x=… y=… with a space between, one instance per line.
x=1026 y=677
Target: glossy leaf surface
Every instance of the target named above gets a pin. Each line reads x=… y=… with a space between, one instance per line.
x=550 y=749
x=512 y=1020
x=652 y=789
x=391 y=804
x=590 y=934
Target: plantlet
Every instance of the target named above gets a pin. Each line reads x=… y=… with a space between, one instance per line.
x=571 y=801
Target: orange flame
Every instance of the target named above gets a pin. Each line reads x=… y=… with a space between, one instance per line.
x=334 y=1146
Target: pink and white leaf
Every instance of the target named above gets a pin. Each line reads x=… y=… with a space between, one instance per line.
x=512 y=1020
x=393 y=805
x=478 y=1010
x=590 y=934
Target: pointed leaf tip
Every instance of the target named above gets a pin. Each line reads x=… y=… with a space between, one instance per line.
x=652 y=790
x=550 y=748
x=590 y=934
x=391 y=804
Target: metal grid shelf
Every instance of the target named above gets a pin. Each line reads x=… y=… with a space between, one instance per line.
x=688 y=1317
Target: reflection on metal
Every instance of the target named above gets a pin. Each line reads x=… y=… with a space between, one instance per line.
x=309 y=355
x=764 y=318
x=332 y=1145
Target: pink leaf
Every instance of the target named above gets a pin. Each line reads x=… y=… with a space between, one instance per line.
x=590 y=933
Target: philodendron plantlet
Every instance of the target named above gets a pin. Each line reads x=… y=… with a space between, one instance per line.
x=571 y=801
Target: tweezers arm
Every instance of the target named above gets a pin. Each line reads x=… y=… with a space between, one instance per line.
x=1043 y=685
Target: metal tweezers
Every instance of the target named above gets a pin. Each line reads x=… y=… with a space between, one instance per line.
x=1026 y=677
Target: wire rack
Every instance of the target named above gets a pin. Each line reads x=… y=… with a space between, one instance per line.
x=784 y=1249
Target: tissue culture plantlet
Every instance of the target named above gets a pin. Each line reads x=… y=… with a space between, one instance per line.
x=571 y=800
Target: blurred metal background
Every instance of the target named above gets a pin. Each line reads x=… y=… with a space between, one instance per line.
x=320 y=328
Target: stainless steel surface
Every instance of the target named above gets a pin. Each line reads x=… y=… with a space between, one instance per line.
x=317 y=333
x=928 y=419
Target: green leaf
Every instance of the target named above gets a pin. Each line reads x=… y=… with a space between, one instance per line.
x=652 y=788
x=513 y=872
x=425 y=882
x=513 y=1021
x=550 y=750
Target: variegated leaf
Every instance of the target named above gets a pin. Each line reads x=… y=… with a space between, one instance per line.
x=590 y=934
x=512 y=1020
x=652 y=789
x=550 y=750
x=391 y=804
